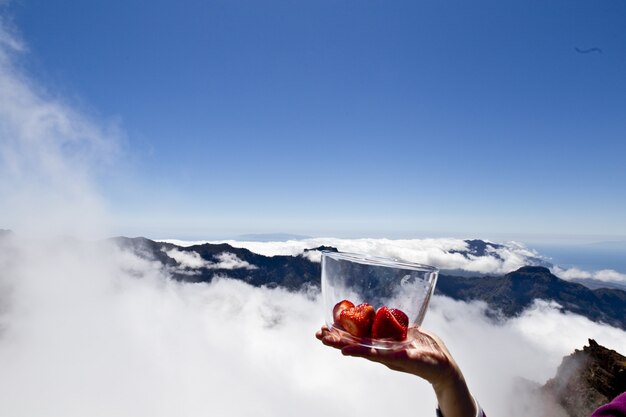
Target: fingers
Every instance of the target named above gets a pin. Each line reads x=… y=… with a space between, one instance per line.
x=330 y=338
x=323 y=333
x=378 y=355
x=320 y=333
x=396 y=360
x=424 y=356
x=358 y=350
x=349 y=347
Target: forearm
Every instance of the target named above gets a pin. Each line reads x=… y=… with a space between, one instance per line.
x=454 y=398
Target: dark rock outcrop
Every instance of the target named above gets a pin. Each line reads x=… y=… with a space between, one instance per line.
x=587 y=379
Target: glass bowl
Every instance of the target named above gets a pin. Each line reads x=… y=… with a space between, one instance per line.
x=379 y=282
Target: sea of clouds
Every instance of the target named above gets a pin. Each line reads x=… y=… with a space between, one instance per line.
x=444 y=253
x=88 y=329
x=94 y=330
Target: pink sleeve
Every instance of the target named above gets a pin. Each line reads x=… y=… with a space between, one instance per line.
x=616 y=408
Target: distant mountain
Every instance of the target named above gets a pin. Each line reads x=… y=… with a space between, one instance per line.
x=511 y=293
x=610 y=244
x=479 y=248
x=290 y=272
x=507 y=294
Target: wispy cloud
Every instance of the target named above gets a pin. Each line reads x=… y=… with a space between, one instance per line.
x=9 y=42
x=605 y=275
x=187 y=259
x=227 y=260
x=48 y=153
x=193 y=260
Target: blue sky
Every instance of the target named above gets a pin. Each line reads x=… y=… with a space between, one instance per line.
x=346 y=119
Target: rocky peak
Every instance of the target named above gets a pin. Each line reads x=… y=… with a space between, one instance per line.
x=587 y=379
x=533 y=270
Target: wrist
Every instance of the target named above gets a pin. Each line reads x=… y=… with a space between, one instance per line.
x=454 y=397
x=449 y=379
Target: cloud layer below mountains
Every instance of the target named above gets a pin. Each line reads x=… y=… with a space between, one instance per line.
x=440 y=252
x=93 y=330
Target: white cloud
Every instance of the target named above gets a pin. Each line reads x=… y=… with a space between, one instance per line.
x=436 y=252
x=193 y=260
x=227 y=260
x=48 y=152
x=313 y=256
x=571 y=273
x=98 y=331
x=508 y=257
x=496 y=358
x=514 y=255
x=609 y=275
x=9 y=42
x=605 y=275
x=187 y=259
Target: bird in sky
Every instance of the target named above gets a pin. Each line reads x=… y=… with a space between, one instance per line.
x=588 y=50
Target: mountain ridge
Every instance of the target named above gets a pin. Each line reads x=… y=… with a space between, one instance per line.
x=513 y=292
x=508 y=294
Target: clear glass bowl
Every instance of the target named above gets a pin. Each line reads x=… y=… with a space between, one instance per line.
x=379 y=282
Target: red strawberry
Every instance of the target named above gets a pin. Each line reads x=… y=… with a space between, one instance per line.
x=339 y=307
x=390 y=323
x=402 y=318
x=357 y=320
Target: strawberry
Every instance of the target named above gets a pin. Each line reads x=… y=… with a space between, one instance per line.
x=390 y=323
x=339 y=307
x=357 y=320
x=402 y=318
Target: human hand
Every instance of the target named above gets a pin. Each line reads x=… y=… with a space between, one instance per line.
x=425 y=356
